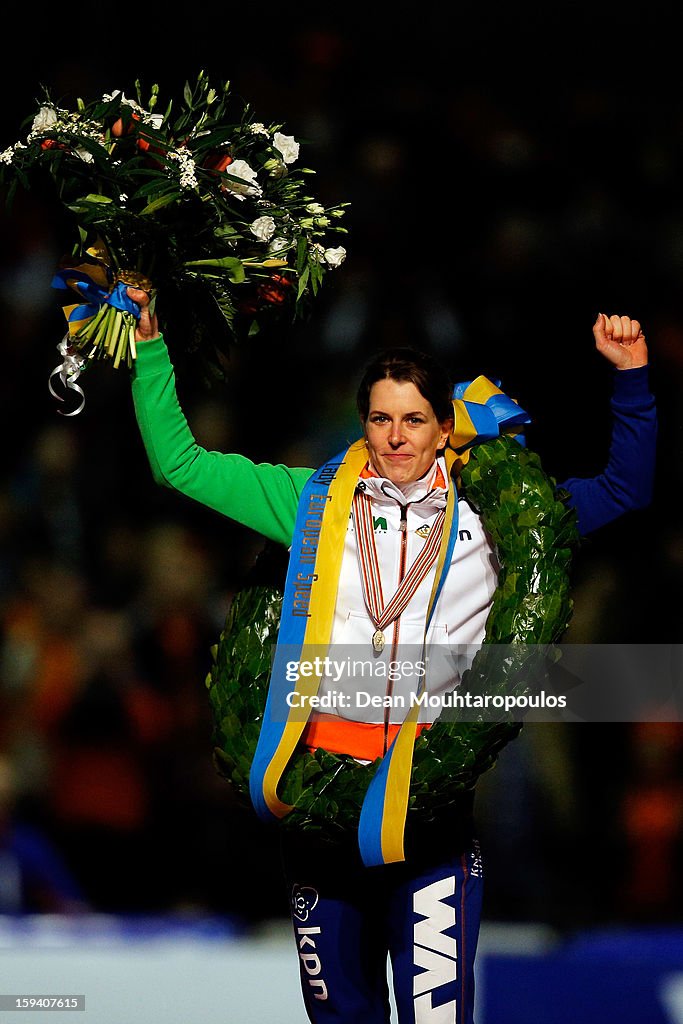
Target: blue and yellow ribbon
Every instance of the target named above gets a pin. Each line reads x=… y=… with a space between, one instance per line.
x=93 y=283
x=314 y=568
x=481 y=412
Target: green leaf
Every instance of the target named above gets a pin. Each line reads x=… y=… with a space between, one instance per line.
x=160 y=203
x=303 y=282
x=232 y=264
x=92 y=197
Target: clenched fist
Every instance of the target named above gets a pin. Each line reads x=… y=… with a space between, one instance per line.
x=620 y=340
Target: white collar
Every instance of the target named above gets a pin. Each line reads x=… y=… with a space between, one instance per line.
x=430 y=491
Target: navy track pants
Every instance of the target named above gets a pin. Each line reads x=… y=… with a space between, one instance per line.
x=423 y=915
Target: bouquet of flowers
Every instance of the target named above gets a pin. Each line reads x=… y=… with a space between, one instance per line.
x=199 y=202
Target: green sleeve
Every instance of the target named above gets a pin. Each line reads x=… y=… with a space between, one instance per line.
x=263 y=497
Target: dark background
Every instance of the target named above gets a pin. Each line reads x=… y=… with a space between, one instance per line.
x=511 y=170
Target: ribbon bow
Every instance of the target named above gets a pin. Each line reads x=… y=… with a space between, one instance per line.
x=481 y=412
x=93 y=282
x=69 y=370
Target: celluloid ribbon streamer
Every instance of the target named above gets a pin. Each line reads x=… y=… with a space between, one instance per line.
x=69 y=370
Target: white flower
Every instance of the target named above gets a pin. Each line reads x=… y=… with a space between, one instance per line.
x=248 y=186
x=335 y=257
x=315 y=208
x=279 y=245
x=45 y=119
x=287 y=146
x=187 y=166
x=263 y=228
x=108 y=97
x=317 y=252
x=258 y=129
x=75 y=125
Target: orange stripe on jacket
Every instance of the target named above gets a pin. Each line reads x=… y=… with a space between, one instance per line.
x=362 y=740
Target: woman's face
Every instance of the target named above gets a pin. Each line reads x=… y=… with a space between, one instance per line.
x=402 y=431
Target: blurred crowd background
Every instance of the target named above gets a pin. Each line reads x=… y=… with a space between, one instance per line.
x=511 y=172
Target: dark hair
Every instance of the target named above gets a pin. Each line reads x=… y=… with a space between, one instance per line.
x=408 y=364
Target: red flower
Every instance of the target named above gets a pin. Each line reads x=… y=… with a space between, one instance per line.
x=276 y=290
x=217 y=161
x=144 y=144
x=118 y=130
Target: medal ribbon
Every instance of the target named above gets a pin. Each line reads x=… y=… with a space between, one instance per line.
x=383 y=615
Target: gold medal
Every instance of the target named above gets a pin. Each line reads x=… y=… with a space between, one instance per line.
x=378 y=641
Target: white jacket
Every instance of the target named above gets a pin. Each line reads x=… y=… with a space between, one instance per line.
x=457 y=626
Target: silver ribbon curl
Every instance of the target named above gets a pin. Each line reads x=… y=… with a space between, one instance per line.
x=69 y=370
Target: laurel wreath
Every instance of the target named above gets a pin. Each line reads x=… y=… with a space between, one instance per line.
x=535 y=537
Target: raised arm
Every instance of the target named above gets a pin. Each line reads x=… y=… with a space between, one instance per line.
x=263 y=497
x=626 y=484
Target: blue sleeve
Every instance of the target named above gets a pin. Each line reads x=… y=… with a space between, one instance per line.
x=627 y=481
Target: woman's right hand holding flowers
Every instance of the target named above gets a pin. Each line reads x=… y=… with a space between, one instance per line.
x=147 y=326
